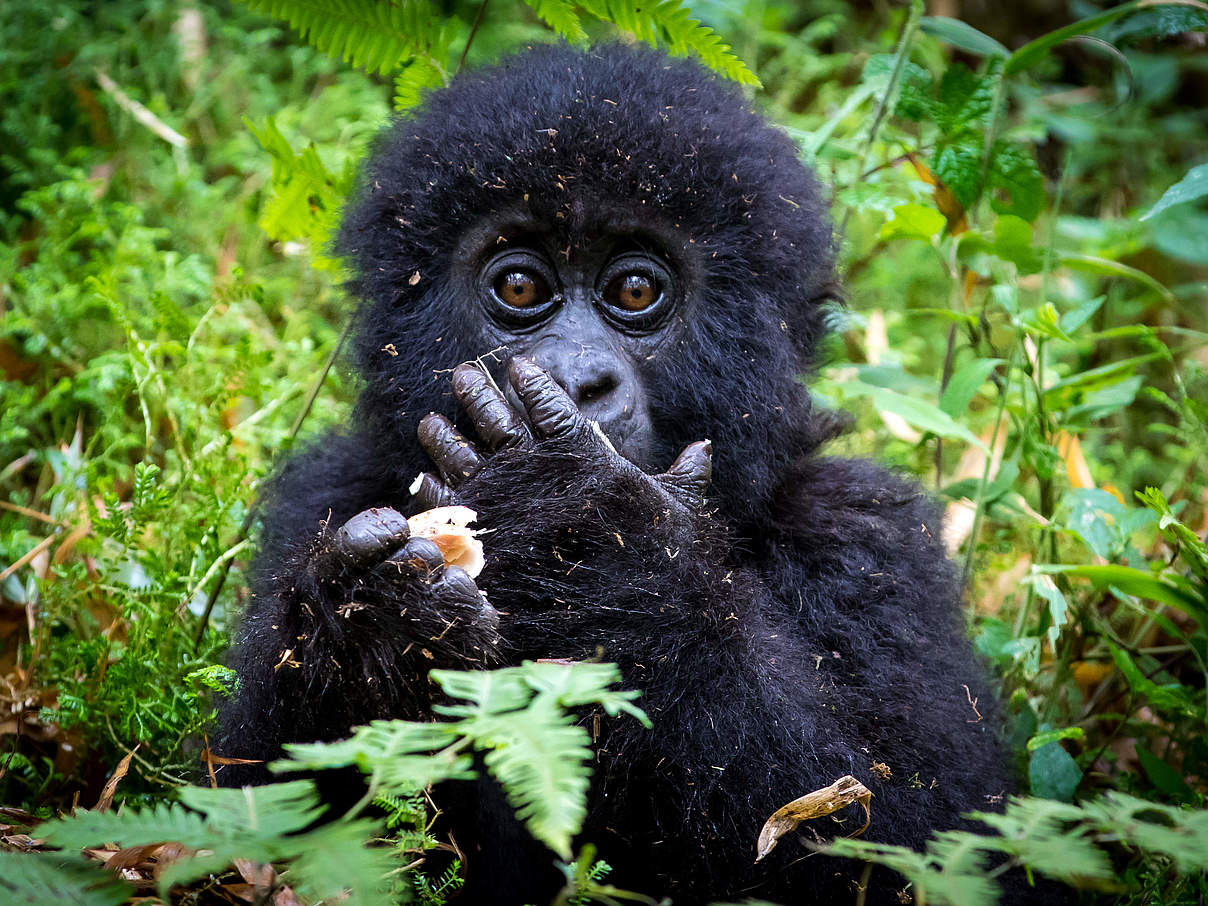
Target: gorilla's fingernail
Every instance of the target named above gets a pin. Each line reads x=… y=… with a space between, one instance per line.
x=693 y=468
x=467 y=377
x=371 y=533
x=419 y=555
x=456 y=583
x=432 y=492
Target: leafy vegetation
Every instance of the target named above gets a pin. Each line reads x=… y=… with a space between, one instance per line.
x=1025 y=238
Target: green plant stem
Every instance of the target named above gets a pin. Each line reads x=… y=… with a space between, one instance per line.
x=482 y=9
x=980 y=507
x=905 y=40
x=246 y=526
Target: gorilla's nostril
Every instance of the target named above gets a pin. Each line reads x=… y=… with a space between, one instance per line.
x=597 y=389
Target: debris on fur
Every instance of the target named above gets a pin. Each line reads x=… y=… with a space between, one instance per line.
x=843 y=792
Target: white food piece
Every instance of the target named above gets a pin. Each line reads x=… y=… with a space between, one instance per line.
x=448 y=528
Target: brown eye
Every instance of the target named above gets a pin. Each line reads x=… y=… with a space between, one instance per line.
x=521 y=289
x=633 y=292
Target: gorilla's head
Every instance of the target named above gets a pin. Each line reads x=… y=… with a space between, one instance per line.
x=624 y=218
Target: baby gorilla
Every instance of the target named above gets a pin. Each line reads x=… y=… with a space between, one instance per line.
x=646 y=268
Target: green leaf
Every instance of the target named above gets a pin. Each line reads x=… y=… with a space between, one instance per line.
x=560 y=15
x=962 y=36
x=1170 y=698
x=415 y=80
x=966 y=101
x=1193 y=186
x=395 y=752
x=924 y=415
x=1043 y=320
x=575 y=685
x=647 y=19
x=964 y=384
x=958 y=167
x=1192 y=548
x=1048 y=736
x=1015 y=180
x=1134 y=582
x=1098 y=378
x=1104 y=267
x=1076 y=317
x=1035 y=51
x=1053 y=774
x=334 y=865
x=542 y=763
x=159 y=824
x=913 y=221
x=1058 y=607
x=57 y=879
x=376 y=37
x=1163 y=776
x=271 y=811
x=491 y=691
x=920 y=413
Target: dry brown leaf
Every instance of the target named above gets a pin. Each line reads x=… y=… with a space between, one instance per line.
x=123 y=766
x=448 y=528
x=843 y=792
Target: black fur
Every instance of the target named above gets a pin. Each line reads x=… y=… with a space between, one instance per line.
x=805 y=626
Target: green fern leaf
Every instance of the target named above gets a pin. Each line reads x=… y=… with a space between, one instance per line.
x=337 y=866
x=159 y=824
x=393 y=751
x=56 y=879
x=263 y=811
x=646 y=20
x=560 y=15
x=375 y=36
x=415 y=80
x=306 y=198
x=542 y=763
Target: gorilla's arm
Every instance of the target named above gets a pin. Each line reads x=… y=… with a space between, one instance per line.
x=768 y=673
x=348 y=612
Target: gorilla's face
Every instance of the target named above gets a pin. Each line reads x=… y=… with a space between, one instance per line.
x=591 y=310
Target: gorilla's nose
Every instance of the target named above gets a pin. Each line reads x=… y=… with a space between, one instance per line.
x=599 y=383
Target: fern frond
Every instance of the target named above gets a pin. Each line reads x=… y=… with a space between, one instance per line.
x=332 y=856
x=393 y=751
x=542 y=763
x=265 y=811
x=159 y=824
x=646 y=19
x=306 y=197
x=560 y=15
x=375 y=36
x=415 y=80
x=58 y=878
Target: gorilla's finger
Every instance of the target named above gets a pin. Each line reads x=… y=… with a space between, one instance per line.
x=418 y=557
x=454 y=456
x=693 y=469
x=496 y=422
x=551 y=412
x=456 y=585
x=370 y=535
x=431 y=492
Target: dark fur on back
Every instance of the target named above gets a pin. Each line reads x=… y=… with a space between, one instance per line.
x=811 y=626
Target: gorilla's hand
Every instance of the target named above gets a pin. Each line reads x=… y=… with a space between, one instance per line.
x=550 y=423
x=373 y=558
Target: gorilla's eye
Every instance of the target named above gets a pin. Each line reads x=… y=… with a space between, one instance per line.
x=521 y=289
x=518 y=288
x=633 y=292
x=636 y=291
